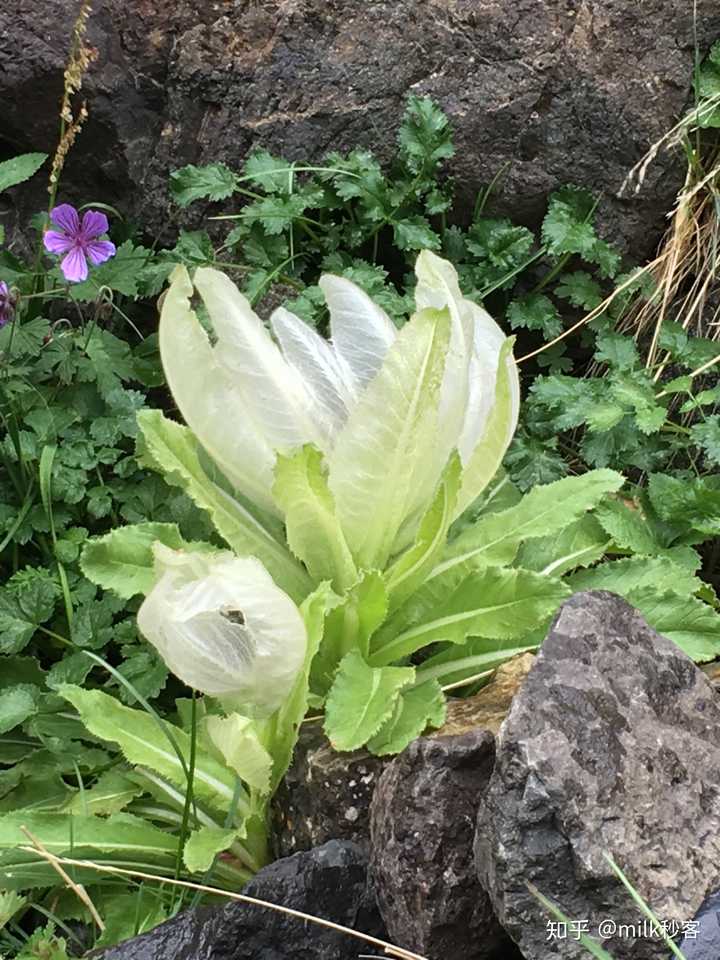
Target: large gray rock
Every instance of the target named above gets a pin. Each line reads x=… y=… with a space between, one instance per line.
x=612 y=744
x=702 y=939
x=422 y=823
x=328 y=882
x=563 y=91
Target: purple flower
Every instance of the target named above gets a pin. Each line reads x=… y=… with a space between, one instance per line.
x=6 y=304
x=79 y=241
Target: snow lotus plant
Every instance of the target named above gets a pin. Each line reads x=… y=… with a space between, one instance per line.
x=369 y=534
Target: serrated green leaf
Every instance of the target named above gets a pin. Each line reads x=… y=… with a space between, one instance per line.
x=214 y=181
x=36 y=597
x=145 y=670
x=44 y=942
x=580 y=544
x=687 y=501
x=122 y=560
x=502 y=244
x=606 y=257
x=567 y=227
x=361 y=699
x=543 y=511
x=119 y=839
x=531 y=461
x=313 y=532
x=203 y=845
x=171 y=449
x=493 y=602
x=349 y=626
x=112 y=792
x=628 y=527
x=415 y=233
x=127 y=915
x=617 y=350
x=18 y=169
x=277 y=213
x=688 y=622
x=570 y=399
x=24 y=606
x=142 y=742
x=704 y=398
x=580 y=289
x=25 y=670
x=425 y=137
x=535 y=312
x=415 y=710
x=273 y=174
x=10 y=904
x=707 y=436
x=636 y=391
x=636 y=573
x=17 y=703
x=605 y=415
x=236 y=738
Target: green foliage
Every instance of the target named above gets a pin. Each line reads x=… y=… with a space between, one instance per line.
x=300 y=221
x=100 y=755
x=18 y=169
x=68 y=401
x=214 y=181
x=361 y=700
x=620 y=416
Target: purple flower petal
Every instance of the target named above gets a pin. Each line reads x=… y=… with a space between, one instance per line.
x=66 y=217
x=6 y=305
x=74 y=266
x=98 y=251
x=94 y=224
x=56 y=242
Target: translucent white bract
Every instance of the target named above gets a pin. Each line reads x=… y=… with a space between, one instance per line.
x=223 y=627
x=248 y=397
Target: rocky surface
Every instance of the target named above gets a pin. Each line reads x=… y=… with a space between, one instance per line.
x=325 y=795
x=612 y=744
x=422 y=824
x=560 y=91
x=488 y=708
x=702 y=939
x=328 y=882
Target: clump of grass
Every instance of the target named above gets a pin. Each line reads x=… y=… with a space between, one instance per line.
x=685 y=272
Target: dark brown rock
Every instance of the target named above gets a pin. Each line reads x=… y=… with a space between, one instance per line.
x=562 y=91
x=325 y=794
x=612 y=745
x=422 y=824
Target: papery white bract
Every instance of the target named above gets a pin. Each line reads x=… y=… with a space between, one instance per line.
x=471 y=375
x=223 y=627
x=357 y=398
